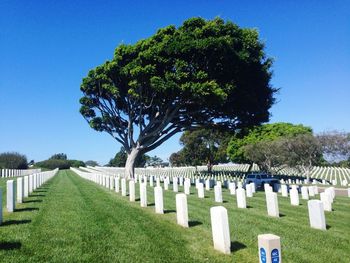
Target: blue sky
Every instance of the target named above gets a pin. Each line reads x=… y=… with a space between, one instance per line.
x=47 y=47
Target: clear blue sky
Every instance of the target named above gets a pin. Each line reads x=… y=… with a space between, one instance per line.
x=47 y=47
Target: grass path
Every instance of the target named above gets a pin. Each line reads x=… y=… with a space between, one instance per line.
x=70 y=219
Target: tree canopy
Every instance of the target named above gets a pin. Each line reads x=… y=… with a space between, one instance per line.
x=203 y=73
x=264 y=133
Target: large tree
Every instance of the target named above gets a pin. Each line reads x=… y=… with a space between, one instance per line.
x=203 y=73
x=264 y=133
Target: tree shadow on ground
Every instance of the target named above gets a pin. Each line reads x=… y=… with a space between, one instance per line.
x=194 y=223
x=26 y=209
x=235 y=246
x=10 y=245
x=15 y=222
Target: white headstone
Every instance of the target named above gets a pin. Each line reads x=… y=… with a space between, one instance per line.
x=158 y=198
x=175 y=185
x=30 y=184
x=253 y=187
x=269 y=248
x=200 y=190
x=19 y=190
x=26 y=186
x=294 y=197
x=187 y=186
x=284 y=189
x=241 y=198
x=218 y=193
x=327 y=201
x=304 y=193
x=220 y=229
x=249 y=190
x=123 y=183
x=181 y=210
x=311 y=191
x=132 y=191
x=272 y=204
x=116 y=184
x=207 y=185
x=10 y=196
x=143 y=194
x=166 y=184
x=316 y=214
x=232 y=188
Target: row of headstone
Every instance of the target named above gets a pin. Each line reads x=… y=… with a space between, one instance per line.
x=22 y=187
x=17 y=172
x=218 y=214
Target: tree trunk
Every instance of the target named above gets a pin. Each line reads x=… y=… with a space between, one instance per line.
x=130 y=163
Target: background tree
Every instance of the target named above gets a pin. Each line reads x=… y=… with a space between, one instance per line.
x=177 y=159
x=302 y=152
x=60 y=161
x=266 y=133
x=120 y=158
x=267 y=154
x=58 y=156
x=335 y=145
x=91 y=163
x=204 y=73
x=154 y=161
x=203 y=147
x=13 y=160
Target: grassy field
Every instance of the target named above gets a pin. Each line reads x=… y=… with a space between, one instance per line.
x=70 y=219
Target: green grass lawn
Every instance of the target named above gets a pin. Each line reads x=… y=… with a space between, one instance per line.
x=70 y=219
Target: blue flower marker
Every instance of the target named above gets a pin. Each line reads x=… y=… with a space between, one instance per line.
x=275 y=257
x=262 y=255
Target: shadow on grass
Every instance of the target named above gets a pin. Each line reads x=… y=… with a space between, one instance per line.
x=32 y=201
x=10 y=245
x=151 y=204
x=194 y=223
x=40 y=191
x=169 y=211
x=235 y=246
x=15 y=222
x=137 y=199
x=282 y=215
x=26 y=209
x=39 y=195
x=248 y=206
x=328 y=226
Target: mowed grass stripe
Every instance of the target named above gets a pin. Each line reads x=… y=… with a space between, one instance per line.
x=79 y=222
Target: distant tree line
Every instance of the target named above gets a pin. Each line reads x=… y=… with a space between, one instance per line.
x=271 y=146
x=59 y=161
x=13 y=160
